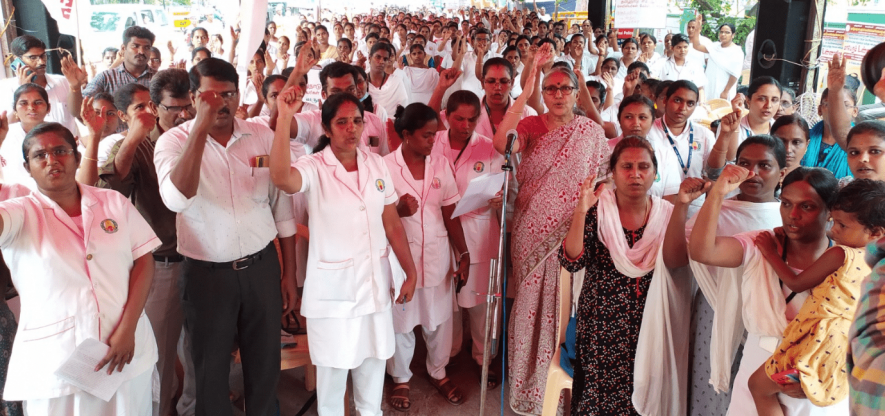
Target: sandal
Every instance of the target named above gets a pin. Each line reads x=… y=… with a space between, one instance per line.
x=493 y=380
x=400 y=402
x=448 y=390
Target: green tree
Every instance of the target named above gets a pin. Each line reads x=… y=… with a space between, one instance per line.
x=717 y=12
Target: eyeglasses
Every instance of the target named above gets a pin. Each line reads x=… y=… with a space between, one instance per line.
x=41 y=156
x=226 y=95
x=565 y=89
x=178 y=108
x=350 y=90
x=503 y=81
x=41 y=57
x=156 y=60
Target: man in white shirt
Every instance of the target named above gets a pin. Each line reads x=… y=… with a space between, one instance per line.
x=64 y=93
x=474 y=60
x=335 y=78
x=213 y=172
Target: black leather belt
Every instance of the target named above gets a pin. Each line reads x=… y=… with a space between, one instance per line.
x=238 y=264
x=175 y=258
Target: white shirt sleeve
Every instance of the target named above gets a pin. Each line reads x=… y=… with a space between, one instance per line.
x=166 y=155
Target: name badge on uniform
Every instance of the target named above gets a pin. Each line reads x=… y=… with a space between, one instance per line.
x=478 y=167
x=109 y=226
x=379 y=185
x=436 y=184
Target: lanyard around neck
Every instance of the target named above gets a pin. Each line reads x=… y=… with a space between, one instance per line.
x=685 y=166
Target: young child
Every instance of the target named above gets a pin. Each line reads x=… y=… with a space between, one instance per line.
x=866 y=150
x=816 y=342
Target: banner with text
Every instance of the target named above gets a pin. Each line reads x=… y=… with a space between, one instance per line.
x=650 y=14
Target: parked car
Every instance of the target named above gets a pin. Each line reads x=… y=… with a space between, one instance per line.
x=107 y=23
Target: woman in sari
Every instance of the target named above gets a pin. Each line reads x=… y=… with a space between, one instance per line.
x=765 y=307
x=558 y=150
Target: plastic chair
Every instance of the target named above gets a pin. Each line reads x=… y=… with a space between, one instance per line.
x=557 y=379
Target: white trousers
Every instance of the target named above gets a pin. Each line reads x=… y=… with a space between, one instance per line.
x=163 y=308
x=133 y=398
x=368 y=387
x=477 y=318
x=439 y=345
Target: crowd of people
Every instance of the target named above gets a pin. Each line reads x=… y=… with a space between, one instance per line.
x=724 y=262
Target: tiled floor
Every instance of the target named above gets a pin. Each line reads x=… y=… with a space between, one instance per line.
x=426 y=401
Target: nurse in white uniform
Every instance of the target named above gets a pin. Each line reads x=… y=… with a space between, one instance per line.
x=80 y=258
x=352 y=268
x=681 y=146
x=426 y=186
x=472 y=155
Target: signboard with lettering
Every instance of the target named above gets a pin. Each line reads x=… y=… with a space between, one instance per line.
x=651 y=14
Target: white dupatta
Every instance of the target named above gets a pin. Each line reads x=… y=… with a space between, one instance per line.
x=661 y=363
x=722 y=286
x=642 y=257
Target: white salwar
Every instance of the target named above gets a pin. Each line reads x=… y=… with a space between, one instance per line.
x=392 y=94
x=419 y=82
x=655 y=382
x=765 y=315
x=723 y=63
x=721 y=285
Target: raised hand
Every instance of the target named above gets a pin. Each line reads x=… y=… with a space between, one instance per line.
x=609 y=80
x=257 y=81
x=448 y=77
x=141 y=125
x=207 y=103
x=270 y=64
x=588 y=196
x=731 y=178
x=691 y=189
x=94 y=121
x=407 y=206
x=171 y=48
x=545 y=53
x=630 y=83
x=730 y=123
x=307 y=57
x=836 y=74
x=75 y=75
x=739 y=102
x=25 y=75
x=288 y=102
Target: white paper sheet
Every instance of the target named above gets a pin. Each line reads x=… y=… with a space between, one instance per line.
x=79 y=370
x=478 y=193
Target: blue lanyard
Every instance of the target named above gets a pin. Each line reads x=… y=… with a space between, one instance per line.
x=749 y=133
x=685 y=166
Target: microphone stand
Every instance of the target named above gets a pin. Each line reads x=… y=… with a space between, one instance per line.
x=497 y=280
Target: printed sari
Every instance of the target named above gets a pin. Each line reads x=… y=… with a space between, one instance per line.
x=553 y=166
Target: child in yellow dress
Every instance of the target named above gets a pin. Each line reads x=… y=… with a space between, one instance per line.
x=815 y=344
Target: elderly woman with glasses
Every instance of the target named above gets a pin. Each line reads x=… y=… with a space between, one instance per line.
x=558 y=149
x=81 y=260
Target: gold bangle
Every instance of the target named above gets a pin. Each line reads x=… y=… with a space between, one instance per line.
x=514 y=112
x=89 y=158
x=718 y=151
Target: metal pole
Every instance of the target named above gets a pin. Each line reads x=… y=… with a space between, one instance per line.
x=493 y=298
